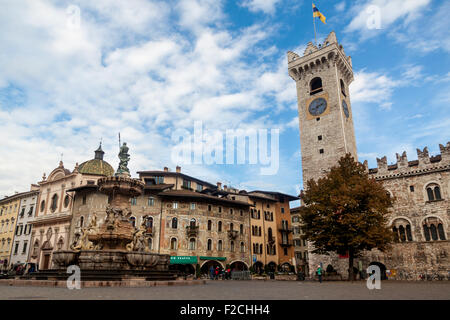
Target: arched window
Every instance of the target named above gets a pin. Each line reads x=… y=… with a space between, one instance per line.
x=219 y=226
x=149 y=222
x=242 y=247
x=426 y=232
x=133 y=221
x=433 y=229
x=433 y=192
x=173 y=244
x=408 y=233
x=209 y=225
x=441 y=231
x=402 y=230
x=231 y=226
x=192 y=223
x=259 y=231
x=232 y=246
x=430 y=194
x=174 y=223
x=270 y=233
x=316 y=86
x=42 y=205
x=209 y=245
x=54 y=204
x=219 y=245
x=261 y=248
x=241 y=229
x=81 y=223
x=192 y=244
x=66 y=201
x=343 y=88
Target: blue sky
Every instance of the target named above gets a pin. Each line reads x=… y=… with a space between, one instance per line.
x=148 y=68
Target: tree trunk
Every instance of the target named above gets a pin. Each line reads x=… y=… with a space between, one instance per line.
x=350 y=264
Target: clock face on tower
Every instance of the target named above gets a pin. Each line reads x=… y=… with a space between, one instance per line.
x=317 y=106
x=345 y=107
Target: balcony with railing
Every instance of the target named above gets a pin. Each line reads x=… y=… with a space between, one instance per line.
x=285 y=229
x=192 y=231
x=233 y=234
x=286 y=243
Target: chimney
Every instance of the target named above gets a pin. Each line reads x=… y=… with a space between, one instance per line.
x=178 y=169
x=225 y=187
x=219 y=185
x=166 y=169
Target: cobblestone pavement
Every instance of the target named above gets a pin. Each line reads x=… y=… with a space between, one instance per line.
x=242 y=290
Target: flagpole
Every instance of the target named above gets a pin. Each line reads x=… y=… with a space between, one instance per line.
x=314 y=22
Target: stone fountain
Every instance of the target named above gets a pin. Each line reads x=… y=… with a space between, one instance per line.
x=116 y=246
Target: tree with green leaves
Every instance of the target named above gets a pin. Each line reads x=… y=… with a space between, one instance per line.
x=346 y=212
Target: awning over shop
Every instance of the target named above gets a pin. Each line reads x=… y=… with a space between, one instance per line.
x=213 y=258
x=183 y=259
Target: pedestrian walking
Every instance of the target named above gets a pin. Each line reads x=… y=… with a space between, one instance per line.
x=319 y=273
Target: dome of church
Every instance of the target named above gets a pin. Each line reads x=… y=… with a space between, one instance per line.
x=97 y=165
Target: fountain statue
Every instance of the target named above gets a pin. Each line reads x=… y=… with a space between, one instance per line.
x=115 y=245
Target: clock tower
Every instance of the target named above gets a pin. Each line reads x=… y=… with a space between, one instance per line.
x=323 y=75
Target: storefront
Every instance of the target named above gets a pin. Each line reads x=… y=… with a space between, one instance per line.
x=184 y=264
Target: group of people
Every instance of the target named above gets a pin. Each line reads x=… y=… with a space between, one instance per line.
x=219 y=273
x=19 y=269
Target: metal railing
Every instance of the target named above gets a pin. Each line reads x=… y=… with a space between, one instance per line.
x=241 y=275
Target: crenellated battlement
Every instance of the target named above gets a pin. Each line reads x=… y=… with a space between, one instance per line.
x=424 y=163
x=317 y=58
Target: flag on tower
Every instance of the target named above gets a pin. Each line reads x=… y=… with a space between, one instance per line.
x=317 y=13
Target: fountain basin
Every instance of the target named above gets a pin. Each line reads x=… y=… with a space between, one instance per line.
x=65 y=258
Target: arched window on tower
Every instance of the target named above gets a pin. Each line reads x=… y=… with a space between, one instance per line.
x=209 y=225
x=343 y=88
x=316 y=86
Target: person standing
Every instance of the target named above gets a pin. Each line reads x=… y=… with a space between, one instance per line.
x=211 y=272
x=319 y=273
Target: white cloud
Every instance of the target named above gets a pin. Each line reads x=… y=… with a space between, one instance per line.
x=372 y=87
x=266 y=6
x=339 y=7
x=390 y=11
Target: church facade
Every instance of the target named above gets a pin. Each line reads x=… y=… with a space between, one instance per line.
x=419 y=217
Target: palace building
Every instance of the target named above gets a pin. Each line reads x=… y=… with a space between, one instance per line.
x=200 y=224
x=420 y=215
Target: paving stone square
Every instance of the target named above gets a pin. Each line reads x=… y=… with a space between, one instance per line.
x=242 y=290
